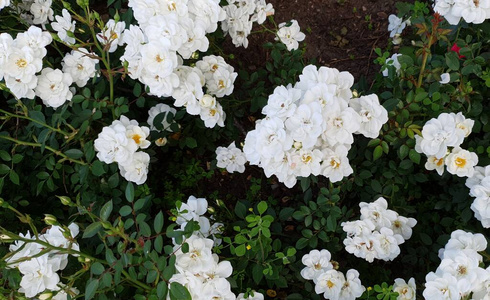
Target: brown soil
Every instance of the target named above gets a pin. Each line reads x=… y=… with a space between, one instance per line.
x=339 y=33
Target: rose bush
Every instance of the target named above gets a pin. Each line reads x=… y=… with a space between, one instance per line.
x=115 y=116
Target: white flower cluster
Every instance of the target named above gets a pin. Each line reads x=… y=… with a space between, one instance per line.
x=201 y=272
x=448 y=130
x=479 y=185
x=475 y=12
x=405 y=290
x=309 y=128
x=378 y=233
x=240 y=16
x=119 y=143
x=332 y=283
x=290 y=35
x=231 y=158
x=395 y=27
x=459 y=273
x=153 y=49
x=199 y=269
x=37 y=12
x=39 y=269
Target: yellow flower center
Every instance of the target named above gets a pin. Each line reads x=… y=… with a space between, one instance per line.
x=136 y=138
x=212 y=112
x=21 y=63
x=439 y=162
x=330 y=284
x=306 y=158
x=159 y=58
x=221 y=84
x=460 y=162
x=335 y=164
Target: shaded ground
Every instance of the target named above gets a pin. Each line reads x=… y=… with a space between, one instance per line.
x=339 y=33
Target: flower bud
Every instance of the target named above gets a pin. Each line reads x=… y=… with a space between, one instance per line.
x=211 y=210
x=297 y=145
x=161 y=142
x=50 y=219
x=220 y=202
x=45 y=296
x=65 y=200
x=82 y=3
x=195 y=55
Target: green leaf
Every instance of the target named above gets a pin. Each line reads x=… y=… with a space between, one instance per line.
x=179 y=292
x=191 y=142
x=38 y=116
x=97 y=268
x=158 y=222
x=403 y=151
x=452 y=60
x=139 y=204
x=129 y=192
x=262 y=207
x=240 y=250
x=14 y=177
x=125 y=210
x=425 y=238
x=257 y=273
x=378 y=151
x=91 y=230
x=4 y=155
x=91 y=288
x=4 y=169
x=74 y=153
x=414 y=156
x=162 y=290
x=97 y=168
x=106 y=210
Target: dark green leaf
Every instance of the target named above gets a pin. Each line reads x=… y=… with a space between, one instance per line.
x=91 y=230
x=106 y=210
x=179 y=292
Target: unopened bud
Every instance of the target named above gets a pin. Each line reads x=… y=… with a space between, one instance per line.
x=211 y=210
x=355 y=94
x=82 y=3
x=117 y=17
x=87 y=260
x=297 y=145
x=65 y=200
x=220 y=202
x=45 y=296
x=50 y=219
x=195 y=55
x=66 y=5
x=161 y=142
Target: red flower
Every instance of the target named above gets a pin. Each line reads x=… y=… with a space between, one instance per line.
x=456 y=49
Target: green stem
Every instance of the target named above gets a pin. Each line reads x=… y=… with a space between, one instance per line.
x=135 y=281
x=57 y=152
x=424 y=62
x=66 y=134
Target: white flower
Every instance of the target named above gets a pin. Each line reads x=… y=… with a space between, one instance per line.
x=63 y=26
x=434 y=163
x=38 y=275
x=80 y=66
x=444 y=78
x=438 y=134
x=136 y=170
x=111 y=35
x=406 y=291
x=231 y=158
x=4 y=3
x=392 y=61
x=282 y=102
x=330 y=284
x=22 y=250
x=461 y=162
x=6 y=42
x=22 y=64
x=21 y=89
x=307 y=162
x=378 y=213
x=306 y=124
x=194 y=210
x=358 y=227
x=446 y=8
x=112 y=145
x=158 y=59
x=272 y=139
x=395 y=25
x=336 y=164
x=403 y=226
x=464 y=268
x=472 y=12
x=290 y=35
x=316 y=262
x=441 y=287
x=42 y=11
x=159 y=109
x=262 y=10
x=341 y=124
x=35 y=39
x=213 y=116
x=198 y=259
x=352 y=288
x=373 y=115
x=466 y=125
x=388 y=248
x=53 y=87
x=481 y=205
